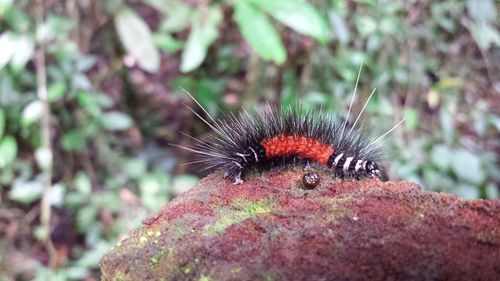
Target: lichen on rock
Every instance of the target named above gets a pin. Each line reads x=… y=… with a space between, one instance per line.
x=271 y=228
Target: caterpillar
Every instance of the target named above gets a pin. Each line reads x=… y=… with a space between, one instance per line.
x=262 y=139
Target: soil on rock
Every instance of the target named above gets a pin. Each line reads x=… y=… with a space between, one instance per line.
x=272 y=228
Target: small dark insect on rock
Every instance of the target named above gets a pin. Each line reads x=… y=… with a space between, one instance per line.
x=311 y=180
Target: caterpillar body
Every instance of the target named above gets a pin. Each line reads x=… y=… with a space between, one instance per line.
x=260 y=140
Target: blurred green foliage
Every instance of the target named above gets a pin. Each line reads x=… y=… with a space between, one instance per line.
x=117 y=69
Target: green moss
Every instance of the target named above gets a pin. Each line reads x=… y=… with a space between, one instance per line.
x=205 y=278
x=143 y=240
x=240 y=210
x=154 y=260
x=119 y=276
x=334 y=208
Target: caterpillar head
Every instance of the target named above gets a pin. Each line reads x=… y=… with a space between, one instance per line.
x=311 y=180
x=376 y=171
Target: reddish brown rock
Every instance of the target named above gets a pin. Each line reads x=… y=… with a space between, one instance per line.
x=271 y=228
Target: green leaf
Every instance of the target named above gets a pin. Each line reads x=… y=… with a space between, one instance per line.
x=90 y=258
x=183 y=183
x=340 y=27
x=74 y=140
x=177 y=14
x=25 y=48
x=441 y=156
x=77 y=272
x=368 y=2
x=2 y=122
x=32 y=113
x=485 y=35
x=136 y=37
x=466 y=191
x=447 y=124
x=492 y=191
x=300 y=16
x=82 y=183
x=135 y=168
x=153 y=194
x=8 y=47
x=55 y=195
x=167 y=43
x=26 y=192
x=467 y=166
x=411 y=115
x=85 y=63
x=366 y=25
x=116 y=121
x=482 y=10
x=43 y=158
x=204 y=31
x=56 y=91
x=259 y=32
x=84 y=217
x=8 y=151
x=5 y=6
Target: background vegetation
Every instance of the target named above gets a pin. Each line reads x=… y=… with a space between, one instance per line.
x=91 y=95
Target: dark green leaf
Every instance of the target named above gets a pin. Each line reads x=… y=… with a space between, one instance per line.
x=73 y=140
x=300 y=16
x=259 y=32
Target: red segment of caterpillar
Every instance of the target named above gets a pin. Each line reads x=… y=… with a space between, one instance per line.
x=304 y=147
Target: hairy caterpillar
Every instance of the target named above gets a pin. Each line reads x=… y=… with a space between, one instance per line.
x=259 y=140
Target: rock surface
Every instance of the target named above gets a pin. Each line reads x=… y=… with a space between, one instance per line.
x=271 y=228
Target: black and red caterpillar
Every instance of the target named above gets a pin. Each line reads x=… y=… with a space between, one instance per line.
x=260 y=140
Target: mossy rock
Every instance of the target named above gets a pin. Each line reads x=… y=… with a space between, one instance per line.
x=271 y=228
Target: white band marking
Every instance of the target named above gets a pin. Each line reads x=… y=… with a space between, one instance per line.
x=337 y=159
x=358 y=165
x=348 y=160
